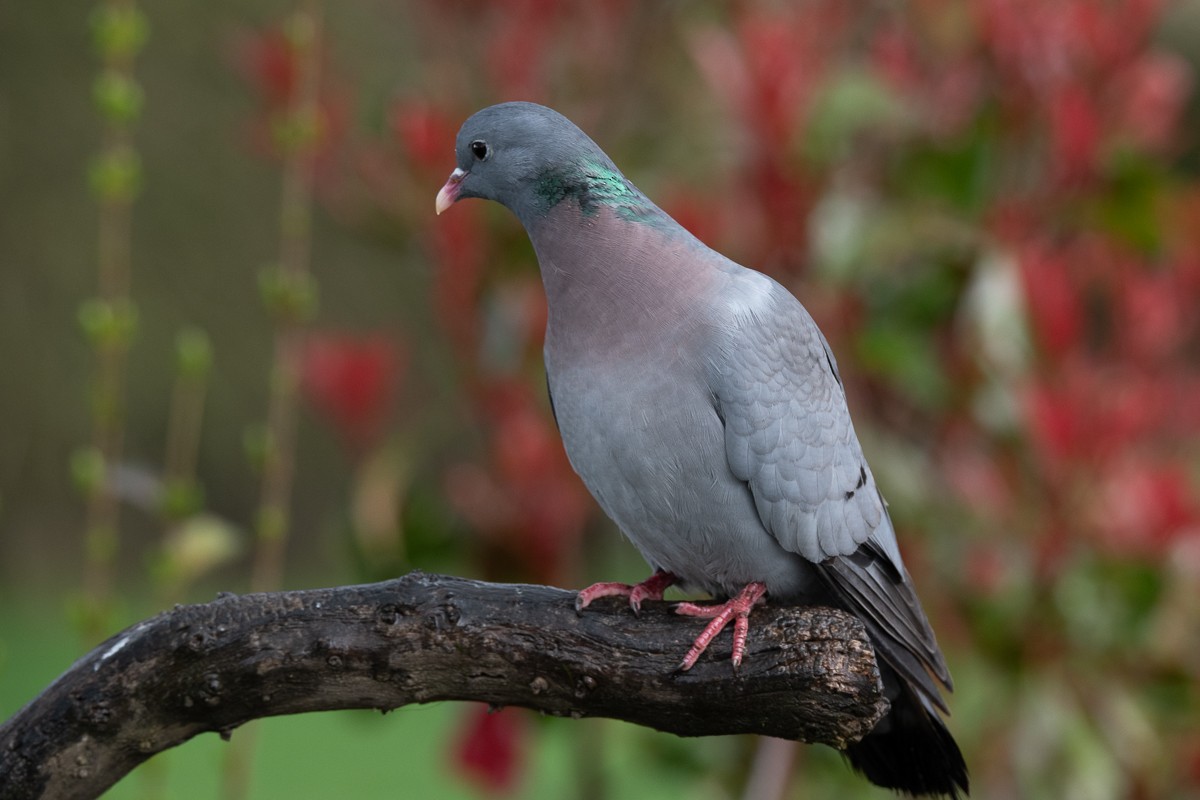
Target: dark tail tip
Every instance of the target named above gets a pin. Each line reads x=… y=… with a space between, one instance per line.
x=912 y=752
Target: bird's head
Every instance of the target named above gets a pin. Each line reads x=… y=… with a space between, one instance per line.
x=522 y=155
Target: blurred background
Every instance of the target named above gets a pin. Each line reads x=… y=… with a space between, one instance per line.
x=239 y=350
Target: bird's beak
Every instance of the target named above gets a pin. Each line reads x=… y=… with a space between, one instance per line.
x=449 y=192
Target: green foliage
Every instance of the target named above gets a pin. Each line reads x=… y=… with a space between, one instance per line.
x=256 y=445
x=181 y=498
x=958 y=172
x=115 y=176
x=300 y=32
x=119 y=31
x=1131 y=208
x=118 y=97
x=271 y=523
x=1108 y=606
x=88 y=470
x=852 y=105
x=108 y=325
x=288 y=297
x=296 y=132
x=193 y=353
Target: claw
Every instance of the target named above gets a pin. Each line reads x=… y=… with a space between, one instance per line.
x=650 y=589
x=736 y=609
x=598 y=590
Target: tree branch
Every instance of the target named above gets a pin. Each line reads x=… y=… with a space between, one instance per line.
x=809 y=674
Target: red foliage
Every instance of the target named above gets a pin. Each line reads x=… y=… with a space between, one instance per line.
x=1145 y=505
x=1084 y=69
x=270 y=62
x=1113 y=392
x=490 y=748
x=352 y=380
x=767 y=70
x=946 y=92
x=518 y=48
x=1155 y=313
x=703 y=217
x=460 y=253
x=1074 y=132
x=1054 y=302
x=425 y=132
x=526 y=501
x=1148 y=99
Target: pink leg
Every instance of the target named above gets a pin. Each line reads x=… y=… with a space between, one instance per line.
x=737 y=609
x=650 y=589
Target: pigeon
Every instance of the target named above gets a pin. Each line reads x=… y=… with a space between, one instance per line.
x=703 y=409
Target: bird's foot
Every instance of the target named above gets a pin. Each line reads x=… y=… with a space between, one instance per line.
x=736 y=609
x=650 y=589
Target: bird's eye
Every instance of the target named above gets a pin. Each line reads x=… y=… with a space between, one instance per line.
x=479 y=149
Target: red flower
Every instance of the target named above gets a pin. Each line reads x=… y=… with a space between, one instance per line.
x=490 y=748
x=352 y=381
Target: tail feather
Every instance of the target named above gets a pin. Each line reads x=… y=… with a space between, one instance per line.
x=911 y=751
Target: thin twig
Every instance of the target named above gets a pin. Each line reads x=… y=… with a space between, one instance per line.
x=290 y=299
x=293 y=274
x=108 y=319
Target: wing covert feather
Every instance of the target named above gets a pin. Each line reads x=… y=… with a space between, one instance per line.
x=788 y=433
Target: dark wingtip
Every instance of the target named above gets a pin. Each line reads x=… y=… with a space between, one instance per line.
x=912 y=752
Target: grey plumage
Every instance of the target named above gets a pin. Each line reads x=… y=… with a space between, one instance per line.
x=703 y=409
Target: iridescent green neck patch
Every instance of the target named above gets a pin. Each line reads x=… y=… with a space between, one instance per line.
x=592 y=186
